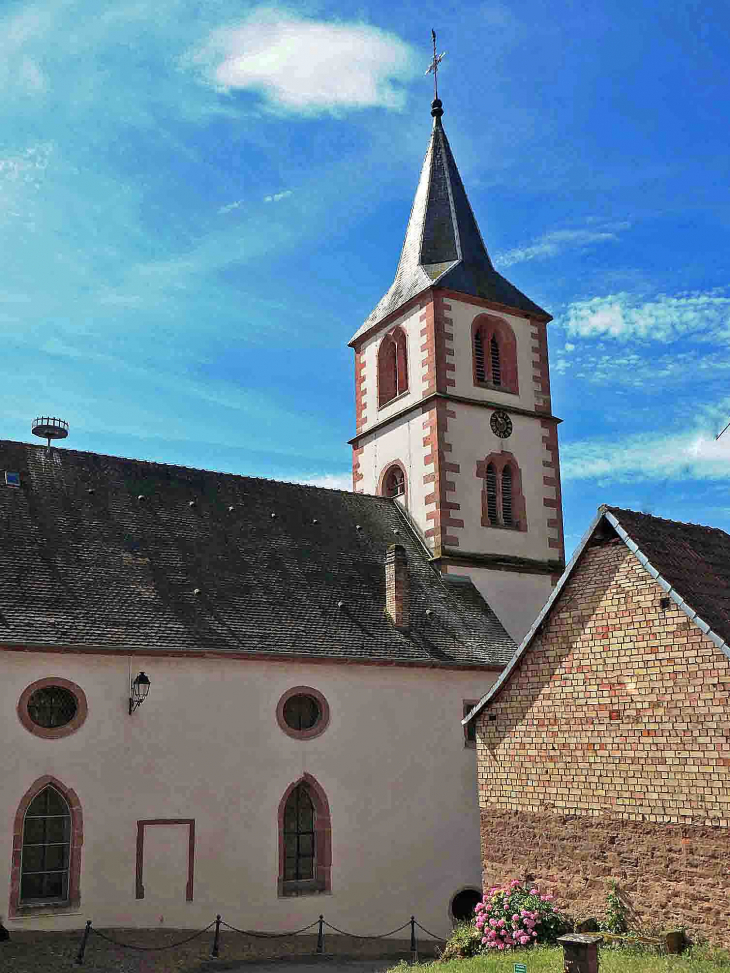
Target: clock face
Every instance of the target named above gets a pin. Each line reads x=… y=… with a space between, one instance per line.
x=501 y=424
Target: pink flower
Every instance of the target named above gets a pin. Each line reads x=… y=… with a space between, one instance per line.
x=515 y=918
x=500 y=946
x=534 y=892
x=501 y=923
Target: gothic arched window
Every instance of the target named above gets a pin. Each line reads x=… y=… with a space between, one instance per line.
x=503 y=504
x=299 y=836
x=305 y=840
x=47 y=842
x=392 y=366
x=393 y=482
x=494 y=353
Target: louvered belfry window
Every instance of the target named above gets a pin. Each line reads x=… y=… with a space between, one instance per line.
x=299 y=836
x=492 y=493
x=507 y=516
x=46 y=849
x=495 y=363
x=392 y=366
x=479 y=363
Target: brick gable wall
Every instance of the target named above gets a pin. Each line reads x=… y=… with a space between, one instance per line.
x=610 y=755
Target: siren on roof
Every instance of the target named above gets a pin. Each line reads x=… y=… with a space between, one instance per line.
x=49 y=427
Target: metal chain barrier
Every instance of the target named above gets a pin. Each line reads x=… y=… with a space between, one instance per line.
x=267 y=935
x=218 y=922
x=439 y=938
x=355 y=936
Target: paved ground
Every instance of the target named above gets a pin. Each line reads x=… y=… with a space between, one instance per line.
x=323 y=964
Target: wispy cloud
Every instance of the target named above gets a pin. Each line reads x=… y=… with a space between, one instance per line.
x=621 y=316
x=692 y=454
x=307 y=66
x=555 y=242
x=231 y=206
x=277 y=197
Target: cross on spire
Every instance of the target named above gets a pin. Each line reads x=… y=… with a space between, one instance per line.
x=434 y=66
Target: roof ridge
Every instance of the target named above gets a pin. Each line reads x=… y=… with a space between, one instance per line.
x=192 y=469
x=664 y=520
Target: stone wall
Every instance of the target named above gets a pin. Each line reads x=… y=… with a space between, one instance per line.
x=612 y=740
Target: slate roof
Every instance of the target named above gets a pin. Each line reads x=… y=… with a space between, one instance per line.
x=443 y=246
x=688 y=561
x=84 y=562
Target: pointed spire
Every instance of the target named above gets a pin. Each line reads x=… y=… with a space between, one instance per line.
x=443 y=246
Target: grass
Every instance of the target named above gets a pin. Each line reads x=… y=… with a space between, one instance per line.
x=549 y=959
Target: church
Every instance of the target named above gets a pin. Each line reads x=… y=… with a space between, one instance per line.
x=224 y=694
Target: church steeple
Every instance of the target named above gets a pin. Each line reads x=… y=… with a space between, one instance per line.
x=443 y=246
x=452 y=403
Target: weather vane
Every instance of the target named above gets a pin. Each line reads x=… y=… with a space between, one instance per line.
x=434 y=65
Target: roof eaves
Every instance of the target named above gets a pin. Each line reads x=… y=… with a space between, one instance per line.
x=525 y=644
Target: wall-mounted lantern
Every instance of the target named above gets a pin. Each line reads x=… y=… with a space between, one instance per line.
x=139 y=689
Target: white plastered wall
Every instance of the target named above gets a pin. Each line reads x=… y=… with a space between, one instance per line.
x=411 y=324
x=206 y=745
x=516 y=598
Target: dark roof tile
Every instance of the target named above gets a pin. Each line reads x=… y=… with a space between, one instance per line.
x=102 y=568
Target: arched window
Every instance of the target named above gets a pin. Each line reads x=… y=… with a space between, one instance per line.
x=305 y=840
x=507 y=496
x=299 y=836
x=46 y=848
x=392 y=366
x=47 y=841
x=503 y=504
x=394 y=484
x=495 y=353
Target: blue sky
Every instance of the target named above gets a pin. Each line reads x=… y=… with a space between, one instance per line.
x=201 y=202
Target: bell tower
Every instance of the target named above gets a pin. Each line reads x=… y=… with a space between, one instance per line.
x=452 y=401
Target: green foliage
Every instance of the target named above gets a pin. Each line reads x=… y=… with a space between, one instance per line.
x=616 y=919
x=464 y=941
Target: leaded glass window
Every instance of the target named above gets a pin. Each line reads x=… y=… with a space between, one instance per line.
x=46 y=848
x=299 y=836
x=301 y=712
x=52 y=706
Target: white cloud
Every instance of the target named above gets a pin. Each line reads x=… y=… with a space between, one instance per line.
x=307 y=66
x=691 y=455
x=555 y=242
x=706 y=316
x=278 y=196
x=231 y=206
x=333 y=481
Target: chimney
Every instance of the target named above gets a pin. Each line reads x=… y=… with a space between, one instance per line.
x=396 y=586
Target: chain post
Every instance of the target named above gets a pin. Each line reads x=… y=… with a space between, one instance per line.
x=216 y=936
x=320 y=935
x=414 y=946
x=82 y=947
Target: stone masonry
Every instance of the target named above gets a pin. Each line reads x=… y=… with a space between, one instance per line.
x=607 y=755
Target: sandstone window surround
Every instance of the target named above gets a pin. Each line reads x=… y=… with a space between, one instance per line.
x=305 y=839
x=503 y=503
x=494 y=354
x=303 y=713
x=392 y=366
x=46 y=857
x=52 y=707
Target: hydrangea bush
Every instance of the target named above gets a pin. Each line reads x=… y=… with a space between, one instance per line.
x=515 y=916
